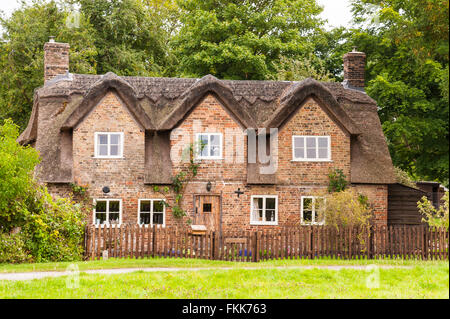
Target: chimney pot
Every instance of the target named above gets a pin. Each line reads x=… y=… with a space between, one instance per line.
x=354 y=69
x=56 y=59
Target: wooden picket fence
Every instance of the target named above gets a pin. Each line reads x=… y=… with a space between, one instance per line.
x=134 y=241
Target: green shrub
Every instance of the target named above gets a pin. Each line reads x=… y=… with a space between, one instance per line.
x=51 y=229
x=54 y=229
x=12 y=249
x=432 y=216
x=16 y=176
x=337 y=181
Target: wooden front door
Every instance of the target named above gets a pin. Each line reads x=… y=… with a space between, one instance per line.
x=207 y=211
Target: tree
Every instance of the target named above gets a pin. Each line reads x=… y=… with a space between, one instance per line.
x=131 y=36
x=406 y=43
x=237 y=39
x=22 y=54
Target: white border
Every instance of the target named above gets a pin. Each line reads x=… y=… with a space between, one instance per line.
x=198 y=153
x=107 y=211
x=313 y=209
x=328 y=159
x=120 y=155
x=274 y=223
x=151 y=212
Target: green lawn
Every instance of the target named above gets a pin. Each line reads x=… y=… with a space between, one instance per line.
x=188 y=263
x=420 y=281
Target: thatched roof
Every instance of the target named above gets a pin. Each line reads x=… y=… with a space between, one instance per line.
x=160 y=104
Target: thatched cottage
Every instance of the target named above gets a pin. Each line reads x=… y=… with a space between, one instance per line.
x=123 y=138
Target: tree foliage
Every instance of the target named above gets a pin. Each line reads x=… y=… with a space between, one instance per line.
x=237 y=39
x=406 y=43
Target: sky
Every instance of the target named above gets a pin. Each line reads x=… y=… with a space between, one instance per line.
x=337 y=12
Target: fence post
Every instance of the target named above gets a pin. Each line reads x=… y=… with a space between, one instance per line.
x=213 y=245
x=255 y=246
x=86 y=242
x=153 y=240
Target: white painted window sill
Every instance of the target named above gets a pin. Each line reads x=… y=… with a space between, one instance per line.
x=264 y=223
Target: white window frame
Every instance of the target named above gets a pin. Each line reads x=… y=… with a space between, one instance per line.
x=209 y=157
x=256 y=222
x=317 y=159
x=151 y=212
x=107 y=200
x=313 y=209
x=96 y=149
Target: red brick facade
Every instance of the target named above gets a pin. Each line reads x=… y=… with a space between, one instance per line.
x=125 y=176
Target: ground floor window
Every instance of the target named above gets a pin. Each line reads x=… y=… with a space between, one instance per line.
x=151 y=212
x=108 y=211
x=264 y=210
x=309 y=210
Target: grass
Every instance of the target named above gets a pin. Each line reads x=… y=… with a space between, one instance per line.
x=423 y=280
x=113 y=263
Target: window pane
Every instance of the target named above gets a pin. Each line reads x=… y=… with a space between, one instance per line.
x=323 y=142
x=158 y=218
x=158 y=206
x=307 y=216
x=215 y=150
x=145 y=206
x=203 y=145
x=311 y=153
x=299 y=153
x=100 y=218
x=270 y=203
x=323 y=153
x=114 y=139
x=100 y=206
x=114 y=150
x=103 y=150
x=113 y=218
x=215 y=139
x=299 y=142
x=207 y=207
x=114 y=206
x=270 y=215
x=258 y=203
x=310 y=142
x=144 y=218
x=257 y=215
x=103 y=139
x=307 y=203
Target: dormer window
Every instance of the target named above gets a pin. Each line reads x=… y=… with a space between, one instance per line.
x=311 y=148
x=209 y=145
x=108 y=144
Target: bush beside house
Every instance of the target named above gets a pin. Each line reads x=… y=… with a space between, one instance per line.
x=33 y=226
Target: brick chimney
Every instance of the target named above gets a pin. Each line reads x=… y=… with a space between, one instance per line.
x=354 y=68
x=56 y=59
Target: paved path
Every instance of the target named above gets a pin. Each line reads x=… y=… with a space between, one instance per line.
x=44 y=274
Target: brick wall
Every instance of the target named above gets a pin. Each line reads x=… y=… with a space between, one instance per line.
x=311 y=120
x=378 y=197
